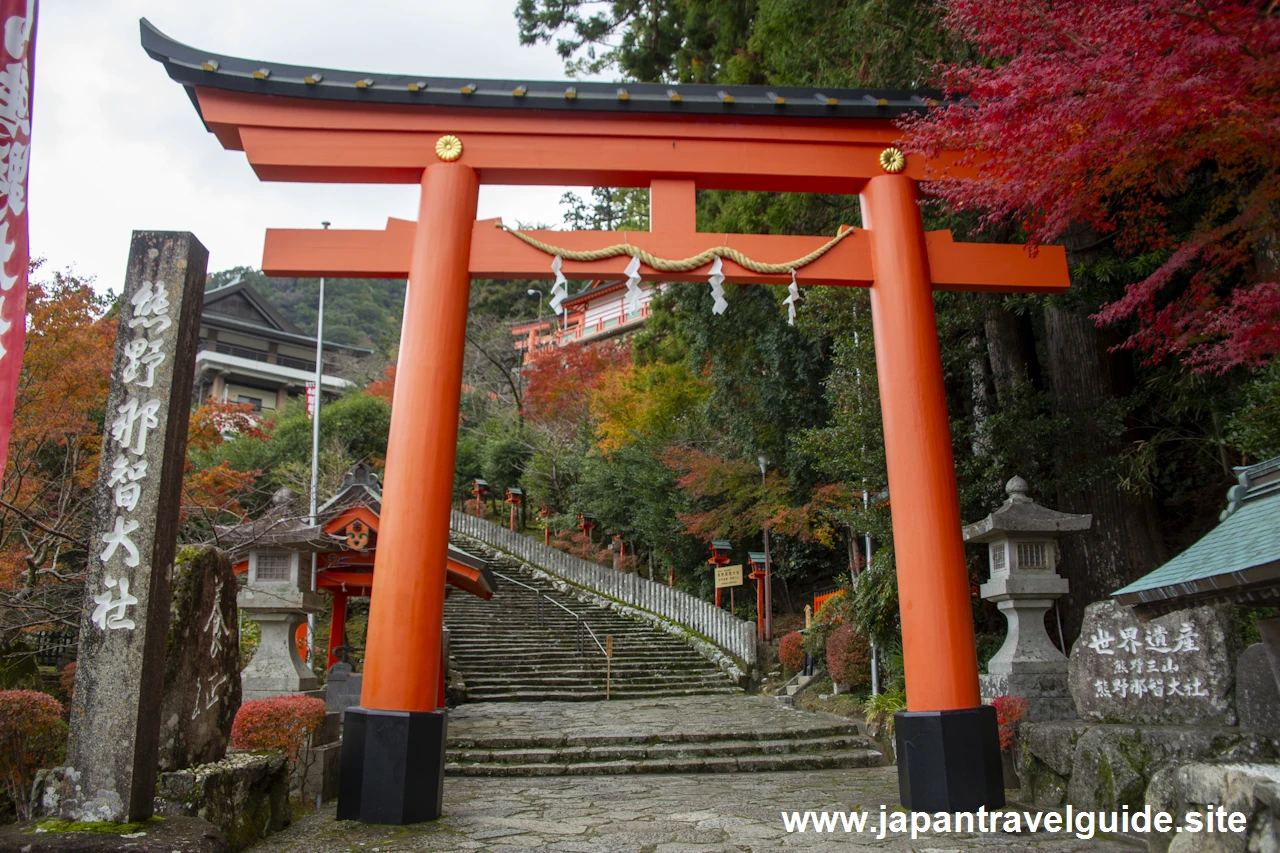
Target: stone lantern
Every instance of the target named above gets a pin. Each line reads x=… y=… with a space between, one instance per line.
x=1022 y=545
x=279 y=598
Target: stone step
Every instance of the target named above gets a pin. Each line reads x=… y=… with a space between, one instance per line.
x=481 y=694
x=634 y=675
x=623 y=668
x=730 y=764
x=559 y=684
x=641 y=752
x=547 y=740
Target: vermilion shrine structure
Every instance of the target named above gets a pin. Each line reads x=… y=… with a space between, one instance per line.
x=450 y=136
x=345 y=542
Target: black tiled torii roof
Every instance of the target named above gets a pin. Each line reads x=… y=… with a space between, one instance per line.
x=194 y=67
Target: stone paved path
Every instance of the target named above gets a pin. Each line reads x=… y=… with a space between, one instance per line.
x=632 y=719
x=652 y=814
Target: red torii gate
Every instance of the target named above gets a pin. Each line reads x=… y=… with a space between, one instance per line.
x=449 y=136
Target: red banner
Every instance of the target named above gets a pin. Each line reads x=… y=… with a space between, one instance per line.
x=17 y=69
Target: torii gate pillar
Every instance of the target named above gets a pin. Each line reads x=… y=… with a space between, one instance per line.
x=394 y=743
x=948 y=743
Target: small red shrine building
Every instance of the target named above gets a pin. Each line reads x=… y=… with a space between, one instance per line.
x=345 y=541
x=597 y=312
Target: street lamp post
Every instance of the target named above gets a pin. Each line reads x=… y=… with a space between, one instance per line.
x=537 y=335
x=768 y=563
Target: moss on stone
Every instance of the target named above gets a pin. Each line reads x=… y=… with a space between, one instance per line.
x=103 y=827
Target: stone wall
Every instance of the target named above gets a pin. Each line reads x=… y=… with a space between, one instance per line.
x=735 y=636
x=1108 y=766
x=245 y=795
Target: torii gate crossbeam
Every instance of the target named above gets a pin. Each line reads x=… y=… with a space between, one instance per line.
x=450 y=136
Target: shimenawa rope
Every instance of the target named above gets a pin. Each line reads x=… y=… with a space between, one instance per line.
x=685 y=265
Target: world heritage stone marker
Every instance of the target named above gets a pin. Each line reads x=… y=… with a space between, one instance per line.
x=110 y=770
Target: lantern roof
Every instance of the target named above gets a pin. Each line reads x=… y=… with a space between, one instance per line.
x=721 y=544
x=1020 y=514
x=195 y=67
x=756 y=557
x=1238 y=561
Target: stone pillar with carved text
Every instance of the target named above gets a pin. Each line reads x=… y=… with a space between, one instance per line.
x=110 y=769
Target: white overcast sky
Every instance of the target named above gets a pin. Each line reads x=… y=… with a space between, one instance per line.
x=117 y=146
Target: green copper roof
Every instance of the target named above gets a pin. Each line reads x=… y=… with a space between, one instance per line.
x=1239 y=560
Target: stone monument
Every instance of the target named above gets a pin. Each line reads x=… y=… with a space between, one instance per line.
x=202 y=661
x=110 y=770
x=1021 y=538
x=1177 y=669
x=279 y=598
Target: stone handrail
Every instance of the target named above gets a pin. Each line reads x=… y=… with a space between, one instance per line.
x=728 y=632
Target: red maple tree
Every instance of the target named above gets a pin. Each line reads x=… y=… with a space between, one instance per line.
x=1108 y=115
x=560 y=380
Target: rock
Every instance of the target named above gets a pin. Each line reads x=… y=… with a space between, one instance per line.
x=1107 y=766
x=171 y=835
x=1044 y=760
x=1114 y=764
x=202 y=661
x=1178 y=669
x=1257 y=696
x=245 y=795
x=1252 y=789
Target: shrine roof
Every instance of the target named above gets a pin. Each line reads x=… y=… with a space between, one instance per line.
x=596 y=288
x=1237 y=561
x=194 y=67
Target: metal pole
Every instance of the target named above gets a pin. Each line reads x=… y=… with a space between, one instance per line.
x=875 y=651
x=768 y=562
x=315 y=459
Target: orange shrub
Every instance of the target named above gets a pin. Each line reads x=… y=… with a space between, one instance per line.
x=32 y=735
x=281 y=724
x=791 y=652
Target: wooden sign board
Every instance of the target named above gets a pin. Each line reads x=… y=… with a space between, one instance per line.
x=728 y=576
x=608 y=646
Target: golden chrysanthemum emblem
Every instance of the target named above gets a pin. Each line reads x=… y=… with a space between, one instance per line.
x=893 y=160
x=449 y=148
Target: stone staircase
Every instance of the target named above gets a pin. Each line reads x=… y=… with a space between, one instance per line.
x=820 y=748
x=514 y=648
x=688 y=734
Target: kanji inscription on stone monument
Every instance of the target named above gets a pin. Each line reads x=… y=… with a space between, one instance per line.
x=110 y=771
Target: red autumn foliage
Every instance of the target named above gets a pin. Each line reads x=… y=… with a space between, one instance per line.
x=1107 y=115
x=57 y=433
x=849 y=657
x=67 y=681
x=32 y=735
x=740 y=504
x=560 y=380
x=384 y=389
x=214 y=493
x=281 y=724
x=791 y=652
x=1010 y=710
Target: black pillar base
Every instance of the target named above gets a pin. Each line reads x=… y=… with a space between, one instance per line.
x=392 y=766
x=949 y=761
